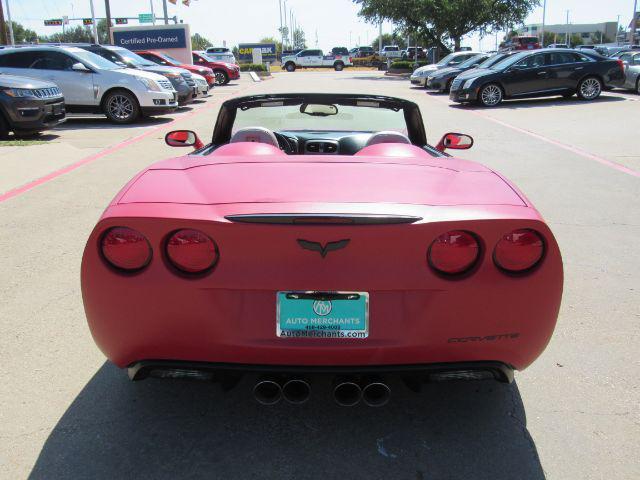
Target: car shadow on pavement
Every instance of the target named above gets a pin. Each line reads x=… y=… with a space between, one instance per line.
x=536 y=102
x=171 y=429
x=391 y=78
x=83 y=123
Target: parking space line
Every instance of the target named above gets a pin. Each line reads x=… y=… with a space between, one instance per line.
x=565 y=146
x=107 y=151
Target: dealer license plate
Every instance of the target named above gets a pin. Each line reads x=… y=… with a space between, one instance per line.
x=322 y=315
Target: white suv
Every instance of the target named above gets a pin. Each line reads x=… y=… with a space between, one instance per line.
x=221 y=54
x=92 y=84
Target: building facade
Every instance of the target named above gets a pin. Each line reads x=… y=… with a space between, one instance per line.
x=590 y=33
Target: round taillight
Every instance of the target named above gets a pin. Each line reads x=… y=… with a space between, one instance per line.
x=126 y=248
x=191 y=251
x=454 y=252
x=519 y=250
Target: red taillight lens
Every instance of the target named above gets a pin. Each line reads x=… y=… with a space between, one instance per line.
x=192 y=251
x=454 y=252
x=519 y=250
x=126 y=248
x=621 y=65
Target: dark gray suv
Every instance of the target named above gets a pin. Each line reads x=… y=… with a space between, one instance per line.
x=28 y=106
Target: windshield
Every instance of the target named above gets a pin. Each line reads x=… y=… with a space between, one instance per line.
x=169 y=58
x=279 y=117
x=134 y=59
x=492 y=60
x=471 y=61
x=95 y=61
x=447 y=59
x=508 y=61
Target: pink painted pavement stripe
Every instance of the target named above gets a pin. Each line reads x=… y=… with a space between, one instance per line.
x=107 y=151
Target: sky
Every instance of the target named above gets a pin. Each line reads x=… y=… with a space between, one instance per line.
x=244 y=21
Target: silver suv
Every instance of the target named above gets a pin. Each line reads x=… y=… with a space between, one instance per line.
x=91 y=83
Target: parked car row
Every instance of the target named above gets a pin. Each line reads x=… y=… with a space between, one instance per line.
x=40 y=84
x=490 y=79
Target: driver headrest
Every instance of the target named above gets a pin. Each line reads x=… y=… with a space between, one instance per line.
x=256 y=135
x=387 y=137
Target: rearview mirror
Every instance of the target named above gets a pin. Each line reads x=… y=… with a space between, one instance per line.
x=183 y=138
x=318 y=110
x=455 y=141
x=80 y=67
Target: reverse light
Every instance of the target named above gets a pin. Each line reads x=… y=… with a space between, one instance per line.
x=125 y=248
x=454 y=252
x=191 y=251
x=519 y=251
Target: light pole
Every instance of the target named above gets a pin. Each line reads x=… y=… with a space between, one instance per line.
x=153 y=13
x=107 y=11
x=95 y=27
x=617 y=30
x=164 y=10
x=568 y=41
x=544 y=13
x=634 y=23
x=12 y=40
x=281 y=30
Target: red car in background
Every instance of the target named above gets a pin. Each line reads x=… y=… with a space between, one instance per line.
x=162 y=58
x=521 y=43
x=223 y=71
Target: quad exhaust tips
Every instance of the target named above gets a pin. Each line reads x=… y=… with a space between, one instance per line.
x=269 y=392
x=346 y=393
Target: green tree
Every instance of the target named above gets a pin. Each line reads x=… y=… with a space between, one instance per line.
x=390 y=39
x=273 y=40
x=198 y=42
x=442 y=21
x=299 y=40
x=77 y=34
x=21 y=34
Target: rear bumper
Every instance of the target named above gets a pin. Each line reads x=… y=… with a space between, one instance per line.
x=229 y=315
x=424 y=373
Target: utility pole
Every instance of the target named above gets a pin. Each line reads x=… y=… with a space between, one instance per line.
x=281 y=30
x=379 y=38
x=544 y=14
x=12 y=40
x=164 y=9
x=153 y=14
x=95 y=27
x=634 y=21
x=3 y=28
x=568 y=40
x=107 y=13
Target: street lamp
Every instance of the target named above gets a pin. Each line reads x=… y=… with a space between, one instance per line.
x=568 y=41
x=544 y=12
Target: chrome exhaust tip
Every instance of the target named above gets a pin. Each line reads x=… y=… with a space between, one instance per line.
x=347 y=394
x=296 y=391
x=267 y=392
x=376 y=394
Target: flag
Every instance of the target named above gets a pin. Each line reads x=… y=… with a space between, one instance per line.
x=186 y=2
x=173 y=1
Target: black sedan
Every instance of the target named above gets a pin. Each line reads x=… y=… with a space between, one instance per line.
x=441 y=79
x=539 y=74
x=28 y=106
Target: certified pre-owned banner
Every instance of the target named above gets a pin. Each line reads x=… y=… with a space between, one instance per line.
x=245 y=51
x=151 y=39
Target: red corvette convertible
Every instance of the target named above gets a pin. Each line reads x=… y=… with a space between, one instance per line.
x=321 y=233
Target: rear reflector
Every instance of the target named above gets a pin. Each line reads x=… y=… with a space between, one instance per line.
x=454 y=252
x=519 y=251
x=191 y=251
x=125 y=248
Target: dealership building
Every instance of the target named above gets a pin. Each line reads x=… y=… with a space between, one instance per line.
x=589 y=32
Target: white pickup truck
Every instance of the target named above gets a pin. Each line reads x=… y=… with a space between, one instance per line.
x=315 y=59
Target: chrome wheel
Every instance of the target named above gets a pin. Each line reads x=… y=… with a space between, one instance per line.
x=221 y=78
x=590 y=88
x=120 y=107
x=491 y=95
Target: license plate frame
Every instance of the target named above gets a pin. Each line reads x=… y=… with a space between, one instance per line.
x=322 y=315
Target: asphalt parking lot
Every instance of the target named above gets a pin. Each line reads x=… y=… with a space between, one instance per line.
x=574 y=413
